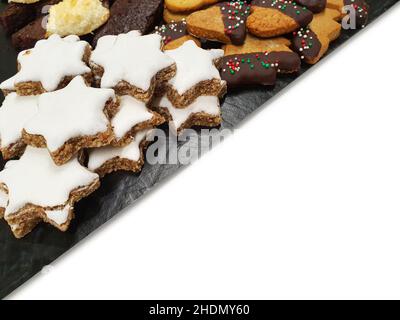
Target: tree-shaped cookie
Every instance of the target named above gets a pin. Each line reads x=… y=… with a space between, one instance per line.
x=258 y=61
x=271 y=18
x=313 y=41
x=34 y=189
x=360 y=7
x=71 y=119
x=224 y=22
x=50 y=65
x=131 y=64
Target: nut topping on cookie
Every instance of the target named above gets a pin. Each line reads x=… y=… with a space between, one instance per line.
x=48 y=65
x=37 y=189
x=71 y=119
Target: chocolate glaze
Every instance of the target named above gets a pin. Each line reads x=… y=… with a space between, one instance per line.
x=299 y=13
x=172 y=31
x=306 y=43
x=234 y=16
x=362 y=9
x=315 y=6
x=257 y=68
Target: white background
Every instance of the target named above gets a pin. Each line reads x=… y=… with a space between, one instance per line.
x=302 y=202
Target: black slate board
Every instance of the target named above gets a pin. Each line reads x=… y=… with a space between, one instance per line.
x=22 y=259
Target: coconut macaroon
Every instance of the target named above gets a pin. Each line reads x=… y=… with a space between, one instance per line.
x=34 y=189
x=77 y=17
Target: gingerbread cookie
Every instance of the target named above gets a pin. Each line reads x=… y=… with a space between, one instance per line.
x=204 y=111
x=313 y=41
x=271 y=18
x=224 y=22
x=76 y=17
x=170 y=17
x=360 y=6
x=131 y=64
x=129 y=158
x=187 y=5
x=132 y=117
x=50 y=65
x=34 y=189
x=258 y=62
x=314 y=6
x=174 y=35
x=14 y=113
x=71 y=119
x=276 y=50
x=197 y=74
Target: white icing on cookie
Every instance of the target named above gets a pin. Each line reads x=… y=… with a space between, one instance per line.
x=130 y=57
x=100 y=156
x=14 y=113
x=59 y=216
x=75 y=111
x=3 y=199
x=49 y=62
x=131 y=113
x=194 y=65
x=207 y=104
x=35 y=179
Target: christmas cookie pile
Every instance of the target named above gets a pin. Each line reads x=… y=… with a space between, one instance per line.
x=90 y=112
x=77 y=110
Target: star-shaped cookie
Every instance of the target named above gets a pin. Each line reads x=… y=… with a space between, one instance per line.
x=197 y=74
x=71 y=119
x=133 y=116
x=131 y=64
x=14 y=113
x=128 y=158
x=50 y=65
x=36 y=189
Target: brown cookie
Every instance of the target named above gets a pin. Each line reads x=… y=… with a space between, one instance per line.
x=258 y=62
x=175 y=34
x=271 y=18
x=313 y=41
x=224 y=22
x=187 y=5
x=170 y=16
x=361 y=9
